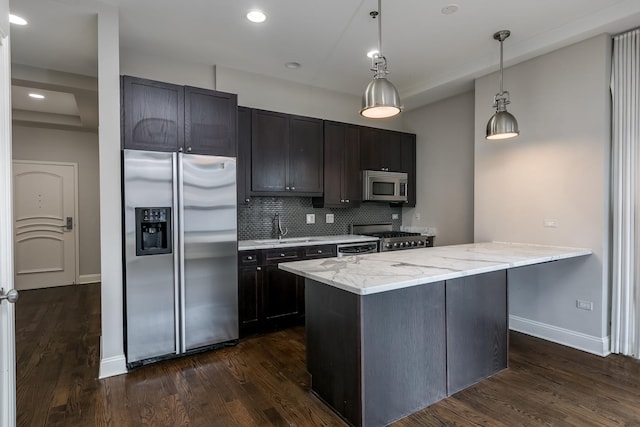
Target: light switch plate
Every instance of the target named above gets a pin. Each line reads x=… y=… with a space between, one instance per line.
x=329 y=219
x=311 y=218
x=394 y=216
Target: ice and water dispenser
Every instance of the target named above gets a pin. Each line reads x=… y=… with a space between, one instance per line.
x=153 y=231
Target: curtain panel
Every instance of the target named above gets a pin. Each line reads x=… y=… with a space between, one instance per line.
x=625 y=170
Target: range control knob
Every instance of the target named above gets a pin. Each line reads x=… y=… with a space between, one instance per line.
x=420 y=243
x=388 y=245
x=395 y=245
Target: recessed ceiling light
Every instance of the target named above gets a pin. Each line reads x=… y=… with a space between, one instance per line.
x=449 y=9
x=14 y=19
x=256 y=16
x=36 y=96
x=292 y=65
x=371 y=53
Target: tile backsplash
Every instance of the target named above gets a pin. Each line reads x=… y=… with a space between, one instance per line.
x=256 y=218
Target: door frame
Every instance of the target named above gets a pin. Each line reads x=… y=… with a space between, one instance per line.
x=7 y=311
x=76 y=219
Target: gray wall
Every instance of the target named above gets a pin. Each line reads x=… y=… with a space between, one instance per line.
x=76 y=147
x=557 y=169
x=444 y=160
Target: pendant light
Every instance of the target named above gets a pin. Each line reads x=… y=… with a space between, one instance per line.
x=380 y=98
x=502 y=124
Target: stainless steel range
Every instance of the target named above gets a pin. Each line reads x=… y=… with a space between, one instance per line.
x=392 y=240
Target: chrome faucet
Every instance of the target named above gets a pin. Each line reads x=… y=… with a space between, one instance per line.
x=278 y=226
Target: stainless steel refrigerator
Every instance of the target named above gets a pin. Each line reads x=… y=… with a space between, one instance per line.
x=180 y=238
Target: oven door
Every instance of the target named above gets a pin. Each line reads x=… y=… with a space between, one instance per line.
x=348 y=249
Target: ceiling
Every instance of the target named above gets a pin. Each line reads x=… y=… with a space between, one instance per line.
x=430 y=54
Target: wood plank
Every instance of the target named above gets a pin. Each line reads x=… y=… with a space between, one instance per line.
x=263 y=380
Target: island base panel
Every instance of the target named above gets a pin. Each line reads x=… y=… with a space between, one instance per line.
x=477 y=328
x=376 y=358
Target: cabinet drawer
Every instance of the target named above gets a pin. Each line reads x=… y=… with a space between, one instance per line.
x=280 y=255
x=322 y=251
x=248 y=258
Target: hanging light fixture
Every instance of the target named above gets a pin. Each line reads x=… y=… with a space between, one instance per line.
x=502 y=124
x=380 y=98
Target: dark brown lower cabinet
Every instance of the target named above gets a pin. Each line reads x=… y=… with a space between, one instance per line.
x=270 y=298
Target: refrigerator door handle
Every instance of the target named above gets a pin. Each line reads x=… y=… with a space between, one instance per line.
x=176 y=253
x=181 y=265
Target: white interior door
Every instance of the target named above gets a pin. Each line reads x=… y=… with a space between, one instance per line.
x=7 y=314
x=44 y=214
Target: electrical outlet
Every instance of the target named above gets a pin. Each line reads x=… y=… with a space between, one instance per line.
x=394 y=216
x=418 y=216
x=329 y=218
x=550 y=223
x=311 y=218
x=584 y=305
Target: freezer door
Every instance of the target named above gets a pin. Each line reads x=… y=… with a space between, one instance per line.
x=150 y=294
x=209 y=239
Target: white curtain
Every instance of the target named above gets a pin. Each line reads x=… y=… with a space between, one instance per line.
x=625 y=169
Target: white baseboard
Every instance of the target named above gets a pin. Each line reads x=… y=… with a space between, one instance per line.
x=85 y=279
x=577 y=340
x=111 y=366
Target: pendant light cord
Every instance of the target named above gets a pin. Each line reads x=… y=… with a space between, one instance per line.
x=501 y=69
x=380 y=27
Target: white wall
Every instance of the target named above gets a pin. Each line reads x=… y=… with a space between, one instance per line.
x=253 y=90
x=54 y=145
x=557 y=169
x=112 y=360
x=444 y=162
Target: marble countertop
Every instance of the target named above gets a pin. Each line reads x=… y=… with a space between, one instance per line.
x=245 y=245
x=386 y=271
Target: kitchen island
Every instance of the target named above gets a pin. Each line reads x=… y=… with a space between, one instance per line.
x=393 y=332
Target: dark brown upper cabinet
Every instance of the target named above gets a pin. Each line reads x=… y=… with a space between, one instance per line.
x=379 y=149
x=286 y=155
x=210 y=122
x=160 y=116
x=152 y=115
x=408 y=165
x=342 y=177
x=244 y=154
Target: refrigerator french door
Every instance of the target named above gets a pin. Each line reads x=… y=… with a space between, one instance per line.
x=180 y=254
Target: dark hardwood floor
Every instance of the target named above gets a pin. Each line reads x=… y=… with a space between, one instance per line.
x=262 y=381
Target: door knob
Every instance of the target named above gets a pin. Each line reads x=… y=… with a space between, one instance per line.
x=11 y=295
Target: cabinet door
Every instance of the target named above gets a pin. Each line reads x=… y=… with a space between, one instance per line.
x=152 y=115
x=306 y=166
x=351 y=175
x=408 y=165
x=379 y=149
x=370 y=146
x=210 y=120
x=249 y=287
x=283 y=297
x=244 y=154
x=269 y=142
x=334 y=158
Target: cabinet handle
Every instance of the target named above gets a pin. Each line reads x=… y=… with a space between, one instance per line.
x=180 y=149
x=281 y=254
x=249 y=258
x=247 y=200
x=341 y=200
x=188 y=149
x=293 y=188
x=347 y=201
x=286 y=188
x=319 y=251
x=259 y=268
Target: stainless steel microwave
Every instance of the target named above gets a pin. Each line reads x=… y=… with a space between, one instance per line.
x=382 y=186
